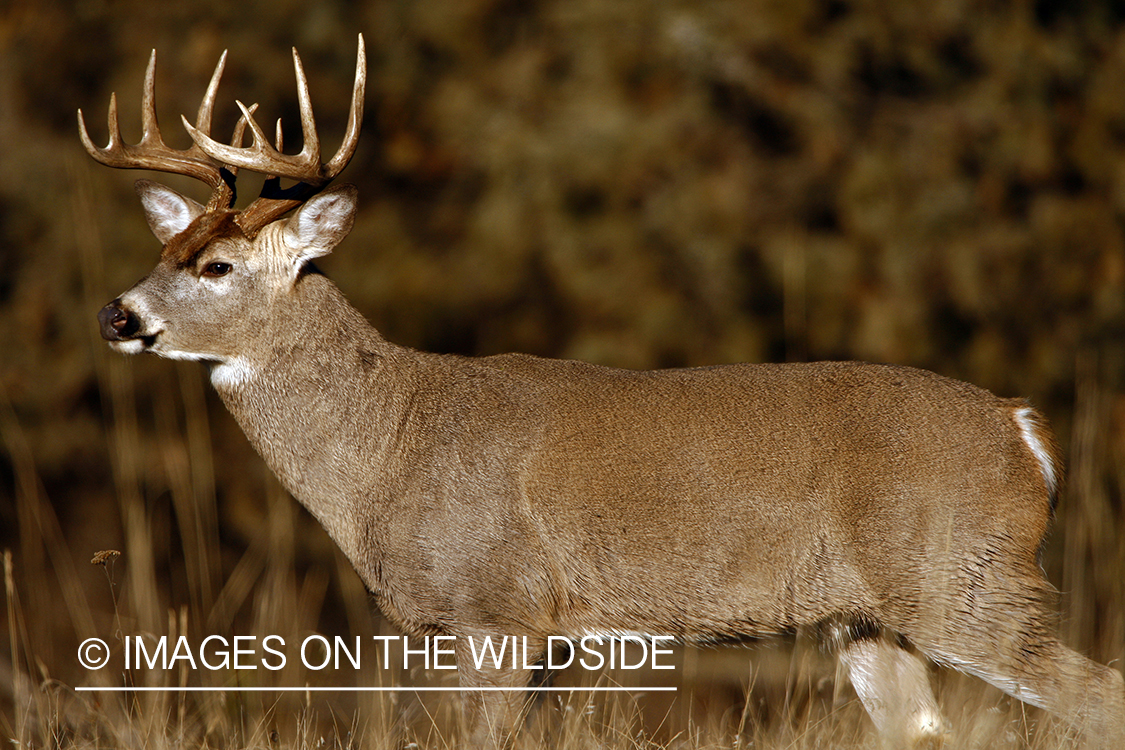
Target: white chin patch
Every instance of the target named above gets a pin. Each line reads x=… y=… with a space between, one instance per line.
x=129 y=346
x=155 y=345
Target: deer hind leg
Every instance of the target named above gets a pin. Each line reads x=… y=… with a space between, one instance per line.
x=894 y=686
x=1039 y=670
x=1001 y=628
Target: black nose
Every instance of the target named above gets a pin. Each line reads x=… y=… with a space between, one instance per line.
x=117 y=323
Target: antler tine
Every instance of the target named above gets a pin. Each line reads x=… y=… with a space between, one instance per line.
x=114 y=133
x=279 y=144
x=240 y=128
x=310 y=149
x=355 y=115
x=150 y=130
x=207 y=106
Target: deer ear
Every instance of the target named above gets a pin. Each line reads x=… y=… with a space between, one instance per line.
x=320 y=224
x=168 y=212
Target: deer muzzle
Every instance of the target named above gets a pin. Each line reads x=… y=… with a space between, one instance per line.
x=117 y=322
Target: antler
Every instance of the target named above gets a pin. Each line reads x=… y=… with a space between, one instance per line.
x=152 y=153
x=217 y=164
x=305 y=167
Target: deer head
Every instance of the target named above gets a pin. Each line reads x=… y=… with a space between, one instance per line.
x=220 y=268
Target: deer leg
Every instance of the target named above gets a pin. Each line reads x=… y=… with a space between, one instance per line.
x=894 y=687
x=495 y=701
x=1043 y=672
x=1002 y=630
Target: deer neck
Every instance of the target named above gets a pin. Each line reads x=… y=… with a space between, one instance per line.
x=318 y=399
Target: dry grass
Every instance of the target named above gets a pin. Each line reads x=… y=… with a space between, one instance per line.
x=634 y=183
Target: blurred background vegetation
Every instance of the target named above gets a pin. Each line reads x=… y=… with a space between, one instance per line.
x=641 y=184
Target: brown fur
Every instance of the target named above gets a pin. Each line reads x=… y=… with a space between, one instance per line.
x=184 y=249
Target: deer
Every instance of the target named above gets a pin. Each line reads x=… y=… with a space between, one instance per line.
x=896 y=512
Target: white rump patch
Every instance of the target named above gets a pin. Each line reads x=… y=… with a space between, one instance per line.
x=1029 y=431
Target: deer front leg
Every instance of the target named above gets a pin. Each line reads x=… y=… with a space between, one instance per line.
x=894 y=687
x=495 y=701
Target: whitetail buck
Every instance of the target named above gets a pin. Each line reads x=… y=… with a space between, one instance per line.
x=898 y=511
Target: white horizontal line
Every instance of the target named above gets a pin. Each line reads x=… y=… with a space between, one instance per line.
x=353 y=689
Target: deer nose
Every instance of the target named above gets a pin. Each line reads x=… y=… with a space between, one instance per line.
x=117 y=323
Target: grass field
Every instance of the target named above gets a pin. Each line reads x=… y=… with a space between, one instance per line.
x=173 y=577
x=637 y=183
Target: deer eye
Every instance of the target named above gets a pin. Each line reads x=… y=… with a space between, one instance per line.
x=216 y=269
